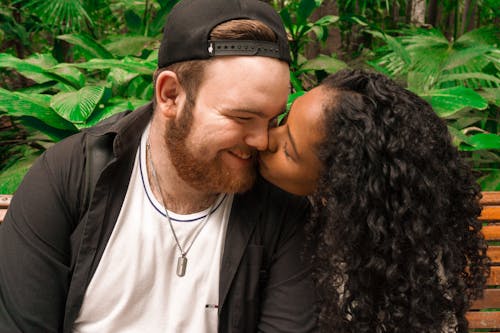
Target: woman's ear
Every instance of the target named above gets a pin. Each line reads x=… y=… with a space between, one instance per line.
x=169 y=94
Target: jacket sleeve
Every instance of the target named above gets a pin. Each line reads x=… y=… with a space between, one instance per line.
x=35 y=259
x=288 y=303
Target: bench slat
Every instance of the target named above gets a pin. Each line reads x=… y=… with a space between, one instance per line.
x=3 y=211
x=494 y=253
x=490 y=213
x=483 y=319
x=494 y=278
x=5 y=200
x=490 y=198
x=490 y=300
x=4 y=204
x=491 y=232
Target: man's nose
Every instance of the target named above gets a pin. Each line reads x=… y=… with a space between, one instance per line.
x=258 y=138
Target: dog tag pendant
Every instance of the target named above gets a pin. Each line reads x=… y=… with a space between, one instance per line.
x=181 y=266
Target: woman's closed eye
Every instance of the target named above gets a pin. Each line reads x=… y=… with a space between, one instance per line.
x=285 y=151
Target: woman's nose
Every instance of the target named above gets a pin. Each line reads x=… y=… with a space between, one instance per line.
x=273 y=140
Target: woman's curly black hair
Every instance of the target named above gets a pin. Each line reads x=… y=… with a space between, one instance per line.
x=396 y=244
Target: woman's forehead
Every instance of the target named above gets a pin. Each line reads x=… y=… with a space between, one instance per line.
x=308 y=109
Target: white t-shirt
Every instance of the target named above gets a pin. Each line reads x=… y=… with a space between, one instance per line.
x=135 y=287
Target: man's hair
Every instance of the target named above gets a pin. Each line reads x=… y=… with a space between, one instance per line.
x=191 y=73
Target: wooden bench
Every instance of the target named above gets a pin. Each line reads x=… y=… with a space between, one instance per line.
x=4 y=204
x=484 y=315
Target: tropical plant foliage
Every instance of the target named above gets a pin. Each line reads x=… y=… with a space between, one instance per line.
x=67 y=64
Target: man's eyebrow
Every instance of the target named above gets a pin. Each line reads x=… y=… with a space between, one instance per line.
x=292 y=141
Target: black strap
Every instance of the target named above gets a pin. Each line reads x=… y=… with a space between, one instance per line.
x=243 y=47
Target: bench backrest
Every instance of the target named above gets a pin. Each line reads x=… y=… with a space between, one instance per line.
x=4 y=204
x=484 y=315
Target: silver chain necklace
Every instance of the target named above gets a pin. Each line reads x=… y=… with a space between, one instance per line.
x=182 y=260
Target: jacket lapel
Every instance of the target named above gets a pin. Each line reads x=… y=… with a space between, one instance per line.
x=245 y=213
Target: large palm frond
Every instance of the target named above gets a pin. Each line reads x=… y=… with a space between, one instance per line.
x=62 y=15
x=434 y=62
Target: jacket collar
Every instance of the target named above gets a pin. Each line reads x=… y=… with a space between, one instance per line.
x=126 y=127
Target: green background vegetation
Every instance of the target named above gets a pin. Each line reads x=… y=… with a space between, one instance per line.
x=67 y=64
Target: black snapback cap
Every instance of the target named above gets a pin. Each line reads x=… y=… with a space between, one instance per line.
x=187 y=31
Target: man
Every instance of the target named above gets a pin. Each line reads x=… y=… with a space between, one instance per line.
x=87 y=244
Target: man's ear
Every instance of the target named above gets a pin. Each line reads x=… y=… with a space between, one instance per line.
x=169 y=94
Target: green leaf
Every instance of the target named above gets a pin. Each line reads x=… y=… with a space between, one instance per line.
x=116 y=105
x=39 y=69
x=466 y=118
x=492 y=95
x=398 y=49
x=468 y=76
x=11 y=177
x=44 y=60
x=487 y=35
x=296 y=84
x=326 y=63
x=463 y=56
x=321 y=34
x=51 y=133
x=133 y=21
x=140 y=88
x=77 y=106
x=62 y=15
x=32 y=71
x=68 y=75
x=458 y=136
x=38 y=88
x=159 y=20
x=18 y=104
x=446 y=102
x=119 y=79
x=128 y=64
x=306 y=7
x=327 y=20
x=287 y=20
x=490 y=181
x=88 y=44
x=483 y=141
x=130 y=45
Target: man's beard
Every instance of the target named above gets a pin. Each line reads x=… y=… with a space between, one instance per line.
x=208 y=176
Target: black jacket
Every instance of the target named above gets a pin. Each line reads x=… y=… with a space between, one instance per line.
x=55 y=233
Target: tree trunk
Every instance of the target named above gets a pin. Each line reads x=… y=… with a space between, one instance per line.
x=450 y=24
x=395 y=11
x=465 y=14
x=418 y=12
x=471 y=18
x=433 y=13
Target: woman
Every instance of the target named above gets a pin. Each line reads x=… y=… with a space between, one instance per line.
x=394 y=236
